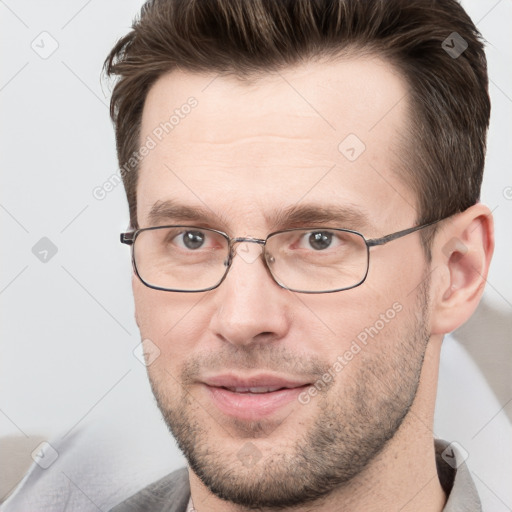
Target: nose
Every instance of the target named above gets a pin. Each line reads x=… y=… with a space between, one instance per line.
x=249 y=306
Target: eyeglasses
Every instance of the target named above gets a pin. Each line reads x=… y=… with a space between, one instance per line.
x=305 y=260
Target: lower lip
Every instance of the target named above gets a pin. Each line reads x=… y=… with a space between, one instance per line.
x=252 y=406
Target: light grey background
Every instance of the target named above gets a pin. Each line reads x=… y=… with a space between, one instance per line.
x=68 y=332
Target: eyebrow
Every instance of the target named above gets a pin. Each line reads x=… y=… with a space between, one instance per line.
x=334 y=215
x=298 y=215
x=164 y=211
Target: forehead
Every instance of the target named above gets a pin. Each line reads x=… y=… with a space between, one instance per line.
x=321 y=133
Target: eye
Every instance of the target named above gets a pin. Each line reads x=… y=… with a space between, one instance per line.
x=191 y=239
x=319 y=240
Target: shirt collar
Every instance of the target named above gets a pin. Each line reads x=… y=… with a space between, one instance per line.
x=455 y=478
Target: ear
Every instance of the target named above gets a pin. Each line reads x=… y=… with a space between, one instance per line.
x=461 y=254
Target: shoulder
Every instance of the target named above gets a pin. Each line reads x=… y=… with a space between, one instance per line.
x=169 y=494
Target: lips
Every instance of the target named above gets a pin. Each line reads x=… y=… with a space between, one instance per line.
x=259 y=389
x=253 y=397
x=269 y=381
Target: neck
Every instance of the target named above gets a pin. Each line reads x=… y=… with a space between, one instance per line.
x=403 y=476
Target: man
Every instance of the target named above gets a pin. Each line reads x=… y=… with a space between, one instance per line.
x=303 y=181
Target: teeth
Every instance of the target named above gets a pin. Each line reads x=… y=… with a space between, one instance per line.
x=260 y=389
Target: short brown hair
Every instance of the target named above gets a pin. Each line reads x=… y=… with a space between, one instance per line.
x=449 y=93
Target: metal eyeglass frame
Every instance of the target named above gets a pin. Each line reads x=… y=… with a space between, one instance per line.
x=129 y=238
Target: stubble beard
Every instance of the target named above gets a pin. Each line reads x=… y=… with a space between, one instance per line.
x=353 y=424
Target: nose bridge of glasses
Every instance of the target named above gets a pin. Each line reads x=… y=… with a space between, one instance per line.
x=248 y=248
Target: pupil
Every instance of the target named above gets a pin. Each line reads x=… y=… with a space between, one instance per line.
x=320 y=240
x=193 y=239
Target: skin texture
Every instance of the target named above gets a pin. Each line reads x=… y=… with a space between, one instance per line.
x=246 y=152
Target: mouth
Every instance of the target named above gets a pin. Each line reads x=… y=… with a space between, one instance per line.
x=252 y=398
x=256 y=390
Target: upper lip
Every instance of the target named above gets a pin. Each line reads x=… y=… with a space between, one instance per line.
x=232 y=381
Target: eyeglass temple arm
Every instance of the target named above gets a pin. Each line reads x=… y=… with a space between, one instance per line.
x=399 y=234
x=127 y=238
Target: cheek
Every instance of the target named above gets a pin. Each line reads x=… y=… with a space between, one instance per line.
x=172 y=321
x=368 y=316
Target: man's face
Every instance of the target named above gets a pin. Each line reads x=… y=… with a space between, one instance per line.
x=242 y=158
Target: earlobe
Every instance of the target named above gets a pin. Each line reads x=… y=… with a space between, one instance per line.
x=461 y=256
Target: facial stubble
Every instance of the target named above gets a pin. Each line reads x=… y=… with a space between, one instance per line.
x=353 y=423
